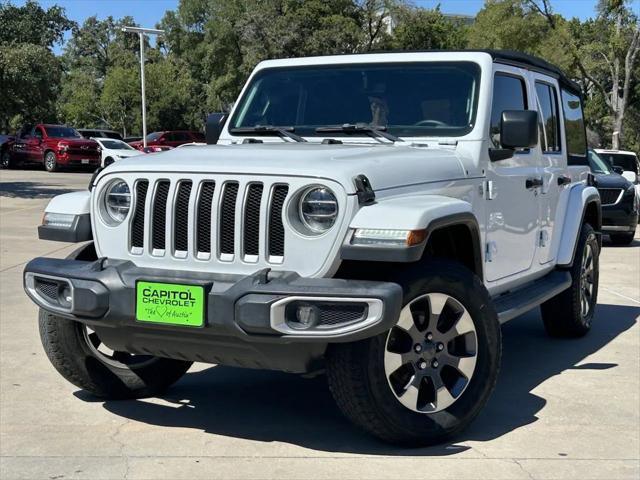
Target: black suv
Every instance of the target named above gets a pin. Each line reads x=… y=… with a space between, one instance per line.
x=619 y=204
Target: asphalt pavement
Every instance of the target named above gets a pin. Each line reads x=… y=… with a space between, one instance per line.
x=562 y=408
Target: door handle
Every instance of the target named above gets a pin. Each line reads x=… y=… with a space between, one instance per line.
x=534 y=182
x=563 y=180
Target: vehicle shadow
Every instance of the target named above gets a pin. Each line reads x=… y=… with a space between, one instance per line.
x=32 y=190
x=272 y=406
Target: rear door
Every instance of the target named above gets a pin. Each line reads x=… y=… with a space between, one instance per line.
x=512 y=206
x=552 y=155
x=35 y=145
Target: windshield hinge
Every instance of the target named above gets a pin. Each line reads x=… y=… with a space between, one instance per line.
x=364 y=191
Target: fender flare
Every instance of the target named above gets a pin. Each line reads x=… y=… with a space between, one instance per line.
x=413 y=212
x=580 y=197
x=77 y=204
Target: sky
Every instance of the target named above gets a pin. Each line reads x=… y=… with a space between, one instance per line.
x=148 y=12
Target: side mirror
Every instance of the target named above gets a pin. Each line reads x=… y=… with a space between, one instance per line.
x=519 y=129
x=213 y=128
x=629 y=175
x=618 y=170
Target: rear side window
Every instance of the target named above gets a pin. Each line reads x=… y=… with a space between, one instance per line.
x=550 y=126
x=509 y=93
x=574 y=128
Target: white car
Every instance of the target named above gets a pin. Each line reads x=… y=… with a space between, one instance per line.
x=113 y=149
x=191 y=144
x=373 y=216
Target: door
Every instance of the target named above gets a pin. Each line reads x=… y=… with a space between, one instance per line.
x=512 y=200
x=20 y=144
x=552 y=154
x=35 y=145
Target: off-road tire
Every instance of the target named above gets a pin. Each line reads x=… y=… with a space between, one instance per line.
x=71 y=356
x=356 y=377
x=51 y=162
x=622 y=238
x=562 y=315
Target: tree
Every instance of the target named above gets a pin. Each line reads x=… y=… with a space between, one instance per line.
x=120 y=99
x=79 y=103
x=420 y=29
x=608 y=60
x=30 y=23
x=29 y=72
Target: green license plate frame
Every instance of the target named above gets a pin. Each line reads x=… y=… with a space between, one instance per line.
x=173 y=304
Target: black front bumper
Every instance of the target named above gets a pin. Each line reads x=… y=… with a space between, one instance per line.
x=238 y=327
x=621 y=217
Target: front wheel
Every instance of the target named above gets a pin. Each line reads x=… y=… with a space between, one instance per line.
x=78 y=354
x=50 y=162
x=427 y=378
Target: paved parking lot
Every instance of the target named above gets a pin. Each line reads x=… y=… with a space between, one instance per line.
x=562 y=408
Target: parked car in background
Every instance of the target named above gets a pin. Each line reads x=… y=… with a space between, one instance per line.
x=191 y=144
x=618 y=199
x=131 y=139
x=172 y=138
x=112 y=149
x=54 y=146
x=156 y=148
x=93 y=133
x=625 y=160
x=6 y=141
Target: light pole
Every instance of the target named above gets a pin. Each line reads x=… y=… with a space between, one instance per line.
x=141 y=33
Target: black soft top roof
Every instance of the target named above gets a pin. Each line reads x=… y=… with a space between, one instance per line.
x=531 y=62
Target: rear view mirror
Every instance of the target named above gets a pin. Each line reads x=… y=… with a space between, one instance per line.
x=214 y=126
x=519 y=129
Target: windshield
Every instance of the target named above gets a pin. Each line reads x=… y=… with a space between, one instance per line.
x=598 y=165
x=625 y=160
x=115 y=145
x=62 y=132
x=409 y=99
x=154 y=136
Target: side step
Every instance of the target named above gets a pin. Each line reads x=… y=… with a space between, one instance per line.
x=513 y=304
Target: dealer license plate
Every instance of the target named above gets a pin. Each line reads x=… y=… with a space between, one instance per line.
x=170 y=303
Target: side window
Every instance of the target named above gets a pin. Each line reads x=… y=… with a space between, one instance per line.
x=37 y=132
x=574 y=128
x=509 y=93
x=167 y=137
x=550 y=127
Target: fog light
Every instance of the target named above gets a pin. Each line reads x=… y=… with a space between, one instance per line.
x=307 y=316
x=65 y=296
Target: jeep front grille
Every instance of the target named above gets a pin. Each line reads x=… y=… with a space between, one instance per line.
x=230 y=225
x=609 y=196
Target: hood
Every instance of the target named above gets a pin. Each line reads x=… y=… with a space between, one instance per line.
x=126 y=153
x=386 y=166
x=76 y=142
x=612 y=180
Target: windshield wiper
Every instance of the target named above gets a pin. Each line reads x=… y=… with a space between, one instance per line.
x=283 y=132
x=357 y=128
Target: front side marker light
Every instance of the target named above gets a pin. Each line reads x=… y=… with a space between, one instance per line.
x=58 y=220
x=387 y=237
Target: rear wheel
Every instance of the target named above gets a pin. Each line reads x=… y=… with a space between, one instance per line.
x=78 y=354
x=50 y=162
x=622 y=238
x=570 y=313
x=428 y=377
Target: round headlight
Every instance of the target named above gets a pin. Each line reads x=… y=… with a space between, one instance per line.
x=318 y=209
x=116 y=202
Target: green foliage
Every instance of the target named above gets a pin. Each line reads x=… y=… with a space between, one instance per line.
x=120 y=99
x=420 y=29
x=30 y=23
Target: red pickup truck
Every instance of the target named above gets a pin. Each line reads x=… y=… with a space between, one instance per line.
x=54 y=146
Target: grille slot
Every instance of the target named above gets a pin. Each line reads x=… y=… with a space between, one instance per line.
x=159 y=219
x=205 y=203
x=252 y=219
x=228 y=218
x=181 y=217
x=609 y=196
x=137 y=224
x=47 y=289
x=276 y=228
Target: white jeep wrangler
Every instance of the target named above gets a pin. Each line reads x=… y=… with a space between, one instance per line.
x=376 y=216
